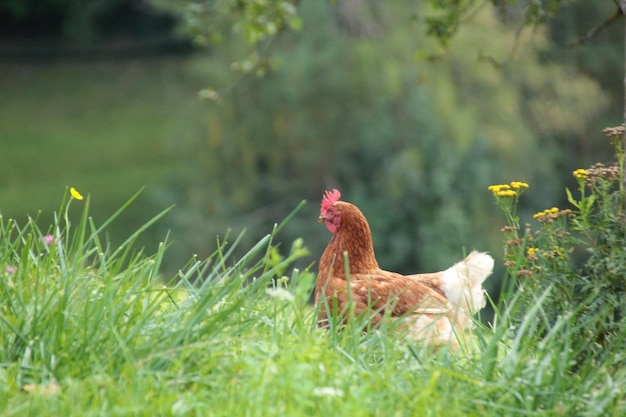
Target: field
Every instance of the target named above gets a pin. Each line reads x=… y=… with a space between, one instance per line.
x=93 y=329
x=92 y=324
x=107 y=128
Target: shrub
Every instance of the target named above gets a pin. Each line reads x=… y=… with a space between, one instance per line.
x=576 y=256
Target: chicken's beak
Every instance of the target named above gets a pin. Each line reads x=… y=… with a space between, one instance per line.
x=321 y=218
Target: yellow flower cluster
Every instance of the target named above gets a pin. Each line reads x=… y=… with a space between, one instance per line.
x=580 y=173
x=518 y=184
x=546 y=212
x=507 y=190
x=498 y=188
x=532 y=251
x=506 y=193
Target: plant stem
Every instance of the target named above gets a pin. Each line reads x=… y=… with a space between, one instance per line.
x=622 y=163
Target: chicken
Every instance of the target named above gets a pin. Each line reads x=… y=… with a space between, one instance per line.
x=436 y=307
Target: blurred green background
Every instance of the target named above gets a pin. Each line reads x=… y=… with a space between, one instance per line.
x=104 y=96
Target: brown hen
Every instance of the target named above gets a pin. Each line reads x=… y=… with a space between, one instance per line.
x=437 y=306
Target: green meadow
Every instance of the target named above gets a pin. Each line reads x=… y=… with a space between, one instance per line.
x=108 y=129
x=88 y=328
x=106 y=311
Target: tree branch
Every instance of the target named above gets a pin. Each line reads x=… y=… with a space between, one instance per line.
x=599 y=28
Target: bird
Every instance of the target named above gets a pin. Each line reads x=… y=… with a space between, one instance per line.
x=435 y=308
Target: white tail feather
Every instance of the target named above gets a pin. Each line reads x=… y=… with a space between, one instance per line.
x=462 y=282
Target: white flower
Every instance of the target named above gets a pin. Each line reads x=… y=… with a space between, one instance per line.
x=280 y=293
x=328 y=392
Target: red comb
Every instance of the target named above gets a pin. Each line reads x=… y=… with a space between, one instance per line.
x=330 y=197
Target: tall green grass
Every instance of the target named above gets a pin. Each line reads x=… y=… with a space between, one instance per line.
x=113 y=337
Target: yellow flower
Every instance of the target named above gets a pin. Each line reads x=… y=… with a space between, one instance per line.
x=532 y=251
x=75 y=194
x=498 y=188
x=518 y=184
x=581 y=173
x=506 y=193
x=507 y=190
x=546 y=212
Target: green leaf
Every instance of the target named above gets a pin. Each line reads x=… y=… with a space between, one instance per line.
x=571 y=199
x=589 y=201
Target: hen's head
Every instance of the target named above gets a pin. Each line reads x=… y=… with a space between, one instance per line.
x=340 y=214
x=350 y=231
x=330 y=213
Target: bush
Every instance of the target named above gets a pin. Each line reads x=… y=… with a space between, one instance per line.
x=577 y=256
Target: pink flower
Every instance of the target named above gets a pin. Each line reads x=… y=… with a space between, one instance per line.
x=11 y=269
x=48 y=239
